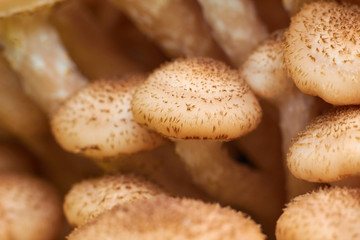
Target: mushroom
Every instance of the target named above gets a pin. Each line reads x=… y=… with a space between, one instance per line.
x=164 y=21
x=327 y=150
x=330 y=213
x=266 y=73
x=97 y=122
x=91 y=197
x=169 y=218
x=321 y=51
x=34 y=50
x=30 y=209
x=199 y=103
x=235 y=26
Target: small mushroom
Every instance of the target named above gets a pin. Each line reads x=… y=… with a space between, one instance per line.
x=34 y=50
x=30 y=209
x=321 y=51
x=169 y=218
x=330 y=213
x=328 y=149
x=91 y=197
x=199 y=103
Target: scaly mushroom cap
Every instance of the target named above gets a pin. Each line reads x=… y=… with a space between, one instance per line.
x=11 y=7
x=328 y=149
x=198 y=98
x=30 y=209
x=97 y=121
x=169 y=218
x=330 y=214
x=89 y=198
x=264 y=70
x=321 y=51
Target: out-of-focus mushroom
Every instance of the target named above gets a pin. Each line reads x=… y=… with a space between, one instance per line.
x=327 y=150
x=200 y=103
x=235 y=25
x=164 y=21
x=34 y=50
x=170 y=218
x=88 y=44
x=30 y=209
x=266 y=73
x=90 y=198
x=330 y=213
x=321 y=51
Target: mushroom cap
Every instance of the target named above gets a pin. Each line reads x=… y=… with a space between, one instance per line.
x=328 y=149
x=331 y=213
x=321 y=51
x=196 y=98
x=11 y=7
x=30 y=209
x=89 y=198
x=97 y=121
x=264 y=70
x=169 y=218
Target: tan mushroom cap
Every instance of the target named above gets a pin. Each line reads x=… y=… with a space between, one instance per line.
x=89 y=198
x=328 y=149
x=97 y=122
x=170 y=218
x=198 y=98
x=264 y=70
x=30 y=209
x=11 y=7
x=322 y=51
x=330 y=214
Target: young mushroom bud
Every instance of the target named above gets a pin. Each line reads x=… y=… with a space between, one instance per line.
x=30 y=209
x=89 y=198
x=169 y=218
x=330 y=213
x=321 y=51
x=35 y=52
x=199 y=103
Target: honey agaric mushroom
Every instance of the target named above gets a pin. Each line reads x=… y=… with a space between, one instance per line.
x=321 y=51
x=265 y=72
x=328 y=149
x=34 y=50
x=235 y=25
x=170 y=218
x=200 y=103
x=90 y=198
x=97 y=121
x=164 y=22
x=30 y=209
x=330 y=213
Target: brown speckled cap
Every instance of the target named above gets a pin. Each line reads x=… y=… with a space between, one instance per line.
x=331 y=213
x=97 y=122
x=322 y=51
x=169 y=218
x=196 y=98
x=328 y=149
x=89 y=198
x=29 y=208
x=11 y=7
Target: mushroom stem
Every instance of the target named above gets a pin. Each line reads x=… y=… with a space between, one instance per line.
x=35 y=52
x=231 y=183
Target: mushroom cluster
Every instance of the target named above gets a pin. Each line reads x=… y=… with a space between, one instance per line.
x=183 y=119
